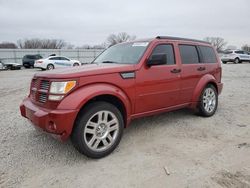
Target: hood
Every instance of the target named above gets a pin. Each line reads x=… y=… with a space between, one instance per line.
x=86 y=70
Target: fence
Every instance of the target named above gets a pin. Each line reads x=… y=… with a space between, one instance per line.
x=16 y=55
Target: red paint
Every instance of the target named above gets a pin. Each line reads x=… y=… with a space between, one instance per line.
x=154 y=90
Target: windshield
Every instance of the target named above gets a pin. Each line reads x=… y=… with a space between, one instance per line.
x=228 y=52
x=126 y=53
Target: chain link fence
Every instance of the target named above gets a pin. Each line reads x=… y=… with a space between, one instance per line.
x=16 y=55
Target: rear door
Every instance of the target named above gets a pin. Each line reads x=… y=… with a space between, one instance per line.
x=209 y=61
x=158 y=86
x=191 y=70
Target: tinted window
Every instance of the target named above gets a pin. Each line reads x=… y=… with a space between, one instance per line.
x=207 y=54
x=54 y=58
x=64 y=58
x=165 y=49
x=38 y=57
x=228 y=52
x=239 y=52
x=189 y=54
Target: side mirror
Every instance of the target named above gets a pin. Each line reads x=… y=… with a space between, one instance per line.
x=157 y=59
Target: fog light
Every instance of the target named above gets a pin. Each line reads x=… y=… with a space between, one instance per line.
x=55 y=97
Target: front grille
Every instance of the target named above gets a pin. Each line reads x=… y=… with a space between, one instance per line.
x=34 y=83
x=39 y=90
x=42 y=97
x=44 y=85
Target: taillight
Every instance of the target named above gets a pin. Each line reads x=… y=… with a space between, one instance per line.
x=39 y=61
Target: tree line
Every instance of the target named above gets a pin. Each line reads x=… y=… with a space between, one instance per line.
x=36 y=43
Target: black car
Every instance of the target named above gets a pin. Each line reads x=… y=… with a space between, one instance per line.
x=29 y=60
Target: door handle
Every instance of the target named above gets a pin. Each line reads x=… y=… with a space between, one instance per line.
x=201 y=68
x=176 y=70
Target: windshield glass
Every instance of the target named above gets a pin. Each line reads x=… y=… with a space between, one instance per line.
x=228 y=52
x=126 y=53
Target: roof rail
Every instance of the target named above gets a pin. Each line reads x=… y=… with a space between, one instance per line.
x=179 y=38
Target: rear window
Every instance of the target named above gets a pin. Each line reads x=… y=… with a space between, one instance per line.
x=189 y=54
x=207 y=54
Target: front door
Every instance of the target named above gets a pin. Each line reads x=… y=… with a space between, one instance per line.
x=158 y=86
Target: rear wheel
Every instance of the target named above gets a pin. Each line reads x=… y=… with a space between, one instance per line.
x=208 y=101
x=50 y=67
x=224 y=62
x=97 y=130
x=76 y=64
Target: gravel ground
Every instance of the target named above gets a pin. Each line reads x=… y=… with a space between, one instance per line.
x=198 y=152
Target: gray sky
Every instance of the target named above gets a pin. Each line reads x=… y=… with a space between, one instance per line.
x=90 y=22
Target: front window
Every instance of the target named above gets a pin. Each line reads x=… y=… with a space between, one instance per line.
x=125 y=53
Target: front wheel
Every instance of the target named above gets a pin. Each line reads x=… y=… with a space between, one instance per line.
x=208 y=101
x=237 y=60
x=224 y=62
x=97 y=130
x=75 y=64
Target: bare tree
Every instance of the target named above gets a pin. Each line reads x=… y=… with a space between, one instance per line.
x=120 y=37
x=246 y=47
x=41 y=43
x=218 y=42
x=8 y=45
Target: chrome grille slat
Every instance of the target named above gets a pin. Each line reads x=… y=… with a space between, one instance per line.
x=39 y=89
x=42 y=97
x=44 y=85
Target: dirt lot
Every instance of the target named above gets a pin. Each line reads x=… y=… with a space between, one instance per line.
x=198 y=152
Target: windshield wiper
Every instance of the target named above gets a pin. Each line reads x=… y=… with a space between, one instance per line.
x=109 y=62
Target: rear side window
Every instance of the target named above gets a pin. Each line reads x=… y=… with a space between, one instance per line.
x=165 y=49
x=64 y=58
x=207 y=54
x=189 y=54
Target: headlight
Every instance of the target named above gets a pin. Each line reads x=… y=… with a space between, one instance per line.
x=62 y=87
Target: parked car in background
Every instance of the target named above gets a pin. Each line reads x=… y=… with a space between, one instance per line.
x=10 y=66
x=2 y=66
x=29 y=60
x=236 y=56
x=54 y=62
x=130 y=80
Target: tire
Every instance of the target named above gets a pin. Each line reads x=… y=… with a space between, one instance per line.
x=50 y=67
x=92 y=135
x=237 y=60
x=224 y=62
x=208 y=101
x=75 y=64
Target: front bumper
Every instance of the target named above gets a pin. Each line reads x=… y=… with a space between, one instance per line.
x=59 y=123
x=220 y=87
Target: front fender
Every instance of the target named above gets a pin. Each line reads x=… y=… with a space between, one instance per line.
x=78 y=98
x=208 y=78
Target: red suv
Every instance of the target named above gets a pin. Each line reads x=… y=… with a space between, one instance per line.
x=92 y=104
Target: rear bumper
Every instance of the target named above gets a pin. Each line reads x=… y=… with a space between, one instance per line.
x=59 y=123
